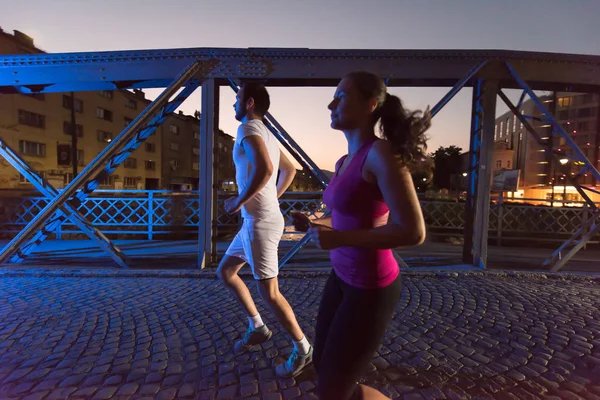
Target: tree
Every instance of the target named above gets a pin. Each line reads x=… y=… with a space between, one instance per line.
x=421 y=174
x=447 y=163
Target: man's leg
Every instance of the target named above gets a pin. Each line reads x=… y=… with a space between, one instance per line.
x=302 y=354
x=227 y=272
x=269 y=291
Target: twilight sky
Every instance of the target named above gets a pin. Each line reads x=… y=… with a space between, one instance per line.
x=537 y=25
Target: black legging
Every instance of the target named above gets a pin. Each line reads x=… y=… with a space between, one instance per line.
x=350 y=326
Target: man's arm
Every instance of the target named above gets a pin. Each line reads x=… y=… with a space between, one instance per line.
x=287 y=172
x=261 y=167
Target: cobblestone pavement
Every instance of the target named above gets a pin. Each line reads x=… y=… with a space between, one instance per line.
x=453 y=336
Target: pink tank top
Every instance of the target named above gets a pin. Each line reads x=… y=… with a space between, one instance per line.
x=356 y=204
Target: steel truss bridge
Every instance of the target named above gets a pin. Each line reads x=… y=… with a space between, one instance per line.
x=210 y=69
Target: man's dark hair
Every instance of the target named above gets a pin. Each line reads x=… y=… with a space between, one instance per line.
x=258 y=92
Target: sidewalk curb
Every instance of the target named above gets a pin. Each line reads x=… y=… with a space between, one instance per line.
x=448 y=273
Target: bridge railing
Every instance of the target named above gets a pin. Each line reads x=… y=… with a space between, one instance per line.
x=155 y=214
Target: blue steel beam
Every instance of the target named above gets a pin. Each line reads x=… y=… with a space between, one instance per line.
x=456 y=88
x=90 y=174
x=303 y=67
x=209 y=123
x=59 y=218
x=69 y=212
x=473 y=169
x=478 y=205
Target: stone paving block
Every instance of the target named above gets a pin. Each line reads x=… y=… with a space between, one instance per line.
x=291 y=393
x=85 y=393
x=61 y=394
x=249 y=389
x=483 y=336
x=37 y=395
x=105 y=393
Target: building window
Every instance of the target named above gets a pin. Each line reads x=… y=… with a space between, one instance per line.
x=130 y=163
x=514 y=126
x=563 y=115
x=221 y=145
x=508 y=164
x=67 y=103
x=106 y=93
x=174 y=162
x=130 y=181
x=150 y=147
x=583 y=126
x=196 y=166
x=507 y=127
x=520 y=136
x=32 y=119
x=225 y=149
x=498 y=163
x=564 y=101
x=80 y=157
x=126 y=121
x=495 y=135
x=174 y=129
x=501 y=128
x=584 y=113
x=196 y=151
x=24 y=180
x=587 y=99
x=104 y=114
x=106 y=180
x=32 y=148
x=106 y=137
x=174 y=146
x=68 y=129
x=196 y=135
x=151 y=165
x=131 y=104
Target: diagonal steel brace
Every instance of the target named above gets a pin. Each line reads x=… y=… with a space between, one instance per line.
x=146 y=132
x=68 y=211
x=90 y=174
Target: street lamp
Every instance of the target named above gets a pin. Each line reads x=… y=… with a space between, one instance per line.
x=563 y=162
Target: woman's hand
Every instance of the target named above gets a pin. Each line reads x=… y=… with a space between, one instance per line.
x=301 y=221
x=325 y=238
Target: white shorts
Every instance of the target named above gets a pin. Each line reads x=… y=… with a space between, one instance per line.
x=256 y=243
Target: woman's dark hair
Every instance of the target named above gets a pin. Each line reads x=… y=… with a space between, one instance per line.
x=404 y=129
x=258 y=92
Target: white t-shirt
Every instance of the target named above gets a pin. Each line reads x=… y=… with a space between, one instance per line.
x=265 y=203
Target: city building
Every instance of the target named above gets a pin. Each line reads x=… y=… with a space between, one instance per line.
x=39 y=128
x=225 y=179
x=543 y=176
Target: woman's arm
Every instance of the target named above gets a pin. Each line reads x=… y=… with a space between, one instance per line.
x=407 y=227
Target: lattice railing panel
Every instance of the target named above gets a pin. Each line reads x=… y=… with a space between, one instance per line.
x=134 y=210
x=440 y=214
x=541 y=219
